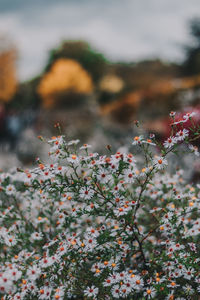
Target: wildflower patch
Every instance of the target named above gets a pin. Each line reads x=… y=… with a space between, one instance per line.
x=88 y=226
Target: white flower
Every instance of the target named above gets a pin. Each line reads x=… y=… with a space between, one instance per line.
x=107 y=282
x=6 y=283
x=85 y=146
x=36 y=236
x=172 y=113
x=73 y=158
x=160 y=162
x=149 y=142
x=150 y=293
x=137 y=140
x=188 y=273
x=45 y=293
x=172 y=285
x=171 y=141
x=188 y=289
x=104 y=177
x=14 y=274
x=137 y=282
x=125 y=289
x=17 y=296
x=10 y=189
x=194 y=149
x=92 y=232
x=155 y=209
x=192 y=247
x=73 y=142
x=129 y=176
x=46 y=262
x=123 y=210
x=91 y=291
x=59 y=293
x=10 y=241
x=182 y=134
x=56 y=140
x=167 y=217
x=90 y=243
x=33 y=272
x=170 y=295
x=86 y=193
x=116 y=291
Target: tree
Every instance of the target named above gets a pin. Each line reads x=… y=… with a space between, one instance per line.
x=191 y=65
x=65 y=76
x=8 y=79
x=92 y=61
x=26 y=96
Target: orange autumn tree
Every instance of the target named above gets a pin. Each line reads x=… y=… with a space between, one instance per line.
x=65 y=76
x=8 y=78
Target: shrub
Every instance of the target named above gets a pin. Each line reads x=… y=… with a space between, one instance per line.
x=91 y=60
x=101 y=227
x=65 y=76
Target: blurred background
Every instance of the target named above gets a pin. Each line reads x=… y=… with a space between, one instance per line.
x=94 y=67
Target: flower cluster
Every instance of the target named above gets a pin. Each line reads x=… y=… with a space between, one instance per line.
x=88 y=226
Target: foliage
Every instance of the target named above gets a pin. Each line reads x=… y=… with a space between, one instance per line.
x=66 y=75
x=102 y=227
x=26 y=96
x=92 y=61
x=192 y=63
x=8 y=80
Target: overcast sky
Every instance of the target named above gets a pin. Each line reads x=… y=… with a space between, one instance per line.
x=121 y=29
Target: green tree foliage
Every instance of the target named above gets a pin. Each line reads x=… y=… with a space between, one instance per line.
x=191 y=65
x=26 y=95
x=92 y=61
